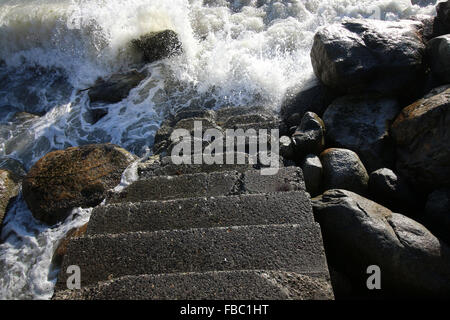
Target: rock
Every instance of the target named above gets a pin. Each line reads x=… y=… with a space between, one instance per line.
x=442 y=20
x=437 y=214
x=359 y=233
x=75 y=177
x=313 y=173
x=342 y=169
x=12 y=165
x=361 y=123
x=439 y=57
x=369 y=55
x=9 y=189
x=423 y=3
x=315 y=98
x=286 y=147
x=391 y=191
x=158 y=45
x=422 y=134
x=309 y=137
x=116 y=88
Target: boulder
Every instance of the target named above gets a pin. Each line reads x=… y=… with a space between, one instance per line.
x=422 y=134
x=342 y=169
x=369 y=55
x=158 y=45
x=392 y=191
x=116 y=88
x=9 y=189
x=315 y=97
x=442 y=20
x=312 y=173
x=439 y=57
x=437 y=214
x=71 y=178
x=359 y=233
x=309 y=137
x=361 y=123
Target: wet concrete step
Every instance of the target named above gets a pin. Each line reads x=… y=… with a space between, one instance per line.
x=210 y=185
x=287 y=247
x=223 y=285
x=240 y=210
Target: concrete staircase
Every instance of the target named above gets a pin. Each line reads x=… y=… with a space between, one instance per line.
x=202 y=234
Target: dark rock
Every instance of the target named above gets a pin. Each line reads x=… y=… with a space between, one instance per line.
x=359 y=233
x=9 y=189
x=342 y=169
x=313 y=173
x=391 y=191
x=75 y=177
x=286 y=147
x=422 y=134
x=437 y=214
x=369 y=55
x=442 y=20
x=158 y=45
x=315 y=98
x=361 y=123
x=439 y=57
x=14 y=166
x=309 y=137
x=116 y=88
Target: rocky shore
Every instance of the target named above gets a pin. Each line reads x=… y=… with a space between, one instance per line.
x=364 y=180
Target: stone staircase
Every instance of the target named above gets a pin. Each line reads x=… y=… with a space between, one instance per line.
x=202 y=232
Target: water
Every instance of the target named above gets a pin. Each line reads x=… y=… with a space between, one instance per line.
x=241 y=52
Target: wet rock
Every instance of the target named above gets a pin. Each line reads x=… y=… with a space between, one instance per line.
x=442 y=20
x=309 y=137
x=9 y=189
x=369 y=55
x=158 y=45
x=423 y=3
x=437 y=214
x=286 y=147
x=342 y=169
x=75 y=177
x=361 y=123
x=313 y=174
x=13 y=165
x=391 y=191
x=116 y=88
x=359 y=233
x=439 y=57
x=422 y=134
x=315 y=98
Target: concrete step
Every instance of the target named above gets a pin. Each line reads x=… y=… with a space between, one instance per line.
x=288 y=247
x=210 y=185
x=250 y=209
x=224 y=285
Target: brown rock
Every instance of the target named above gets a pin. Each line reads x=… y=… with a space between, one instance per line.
x=75 y=177
x=9 y=188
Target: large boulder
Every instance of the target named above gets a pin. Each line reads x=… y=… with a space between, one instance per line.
x=422 y=134
x=158 y=45
x=361 y=123
x=342 y=169
x=437 y=214
x=9 y=188
x=369 y=55
x=75 y=177
x=359 y=233
x=439 y=57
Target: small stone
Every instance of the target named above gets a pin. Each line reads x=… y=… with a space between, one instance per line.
x=309 y=136
x=286 y=147
x=313 y=174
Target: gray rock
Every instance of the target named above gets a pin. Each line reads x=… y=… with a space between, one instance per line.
x=313 y=174
x=358 y=233
x=116 y=88
x=422 y=134
x=158 y=45
x=369 y=55
x=309 y=137
x=342 y=169
x=392 y=191
x=437 y=214
x=315 y=97
x=439 y=56
x=361 y=123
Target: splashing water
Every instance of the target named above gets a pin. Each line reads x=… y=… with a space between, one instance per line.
x=236 y=52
